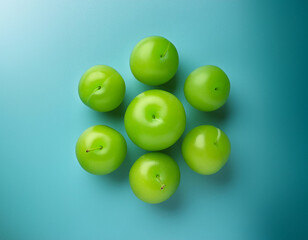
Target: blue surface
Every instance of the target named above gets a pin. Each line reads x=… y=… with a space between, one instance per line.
x=45 y=46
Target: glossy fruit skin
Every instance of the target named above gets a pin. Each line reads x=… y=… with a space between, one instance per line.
x=207 y=88
x=105 y=160
x=155 y=120
x=101 y=88
x=154 y=177
x=154 y=60
x=206 y=149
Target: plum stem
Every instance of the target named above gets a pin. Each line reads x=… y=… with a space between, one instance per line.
x=162 y=185
x=165 y=52
x=218 y=136
x=93 y=149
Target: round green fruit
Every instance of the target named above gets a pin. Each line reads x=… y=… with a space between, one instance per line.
x=206 y=149
x=101 y=88
x=154 y=177
x=207 y=88
x=155 y=120
x=154 y=60
x=100 y=150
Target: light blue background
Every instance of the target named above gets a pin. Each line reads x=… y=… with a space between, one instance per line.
x=45 y=46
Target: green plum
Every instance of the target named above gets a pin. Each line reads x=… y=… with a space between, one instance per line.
x=154 y=60
x=206 y=149
x=101 y=88
x=155 y=120
x=100 y=149
x=154 y=177
x=207 y=88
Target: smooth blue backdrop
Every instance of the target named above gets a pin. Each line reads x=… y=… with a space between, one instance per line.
x=45 y=46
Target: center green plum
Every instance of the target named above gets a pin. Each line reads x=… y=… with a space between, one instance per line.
x=155 y=120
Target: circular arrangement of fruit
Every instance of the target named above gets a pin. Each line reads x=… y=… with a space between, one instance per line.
x=154 y=121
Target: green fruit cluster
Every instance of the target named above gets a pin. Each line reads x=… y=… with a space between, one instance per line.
x=154 y=121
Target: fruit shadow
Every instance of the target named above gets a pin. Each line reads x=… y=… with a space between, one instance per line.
x=223 y=176
x=175 y=149
x=119 y=111
x=115 y=116
x=171 y=85
x=174 y=203
x=122 y=173
x=219 y=116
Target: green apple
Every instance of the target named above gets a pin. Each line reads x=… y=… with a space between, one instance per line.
x=101 y=88
x=100 y=150
x=154 y=177
x=154 y=60
x=207 y=88
x=155 y=120
x=206 y=149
